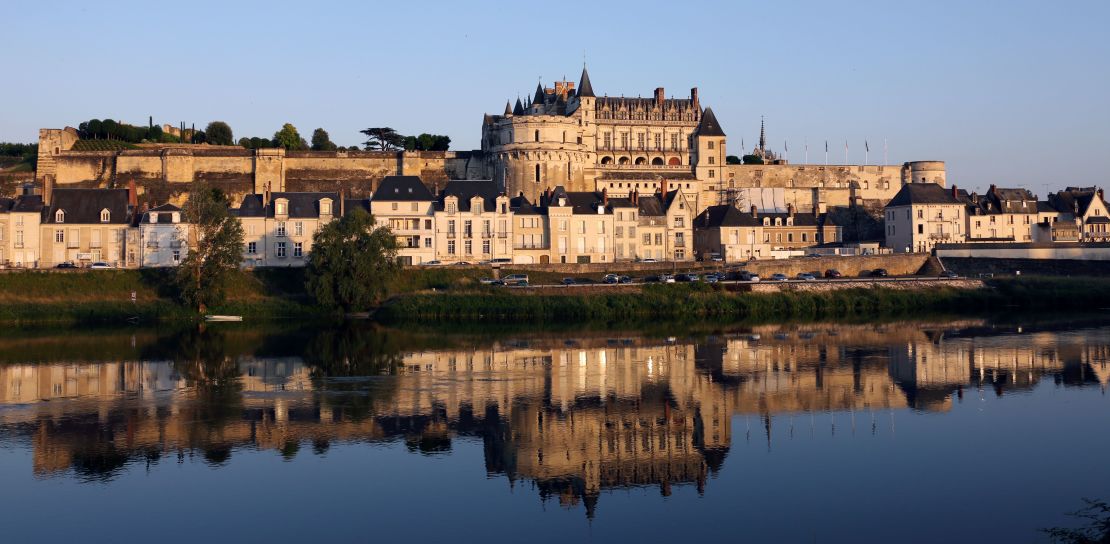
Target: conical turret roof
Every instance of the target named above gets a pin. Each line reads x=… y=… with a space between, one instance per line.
x=518 y=109
x=508 y=108
x=585 y=89
x=539 y=95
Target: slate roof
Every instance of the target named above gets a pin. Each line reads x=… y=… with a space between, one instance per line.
x=83 y=206
x=583 y=202
x=923 y=193
x=709 y=125
x=466 y=189
x=301 y=205
x=521 y=206
x=585 y=88
x=1072 y=199
x=6 y=204
x=165 y=208
x=28 y=204
x=724 y=215
x=352 y=204
x=402 y=189
x=163 y=218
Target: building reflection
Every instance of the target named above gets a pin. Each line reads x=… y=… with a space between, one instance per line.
x=574 y=417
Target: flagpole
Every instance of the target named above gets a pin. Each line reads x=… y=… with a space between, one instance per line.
x=884 y=152
x=866 y=152
x=845 y=152
x=806 y=160
x=826 y=152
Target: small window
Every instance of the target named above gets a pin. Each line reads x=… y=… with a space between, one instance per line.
x=105 y=215
x=59 y=216
x=537 y=135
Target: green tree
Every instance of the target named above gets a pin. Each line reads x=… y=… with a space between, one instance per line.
x=219 y=133
x=426 y=142
x=383 y=139
x=352 y=262
x=733 y=159
x=753 y=159
x=215 y=247
x=321 y=141
x=289 y=138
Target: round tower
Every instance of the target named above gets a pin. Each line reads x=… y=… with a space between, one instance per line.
x=924 y=172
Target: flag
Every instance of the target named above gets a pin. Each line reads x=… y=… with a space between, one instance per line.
x=784 y=146
x=826 y=146
x=866 y=147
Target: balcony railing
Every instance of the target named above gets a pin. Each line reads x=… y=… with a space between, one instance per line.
x=941 y=236
x=451 y=234
x=614 y=166
x=502 y=235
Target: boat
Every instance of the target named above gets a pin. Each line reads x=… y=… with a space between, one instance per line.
x=223 y=318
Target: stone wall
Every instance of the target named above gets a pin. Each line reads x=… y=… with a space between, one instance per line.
x=896 y=265
x=899 y=285
x=805 y=184
x=1085 y=251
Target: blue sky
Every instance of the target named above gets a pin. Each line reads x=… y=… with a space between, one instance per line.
x=1008 y=92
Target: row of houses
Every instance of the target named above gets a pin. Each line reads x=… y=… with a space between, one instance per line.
x=467 y=221
x=923 y=215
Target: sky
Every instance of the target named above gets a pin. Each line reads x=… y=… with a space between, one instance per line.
x=1012 y=93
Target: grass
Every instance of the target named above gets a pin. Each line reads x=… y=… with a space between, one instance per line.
x=699 y=301
x=105 y=295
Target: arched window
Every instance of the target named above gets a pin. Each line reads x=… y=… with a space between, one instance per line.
x=564 y=136
x=675 y=161
x=641 y=160
x=657 y=161
x=537 y=172
x=59 y=216
x=607 y=160
x=623 y=160
x=105 y=215
x=537 y=135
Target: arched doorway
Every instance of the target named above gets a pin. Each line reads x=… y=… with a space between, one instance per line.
x=623 y=160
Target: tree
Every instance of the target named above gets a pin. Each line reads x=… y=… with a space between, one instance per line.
x=289 y=138
x=352 y=262
x=219 y=133
x=321 y=141
x=733 y=159
x=383 y=138
x=427 y=142
x=215 y=247
x=753 y=159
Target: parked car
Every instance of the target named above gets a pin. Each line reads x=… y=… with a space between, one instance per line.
x=716 y=257
x=806 y=276
x=488 y=281
x=687 y=277
x=651 y=279
x=433 y=263
x=462 y=263
x=611 y=279
x=879 y=273
x=779 y=277
x=833 y=273
x=749 y=276
x=648 y=260
x=712 y=278
x=568 y=281
x=66 y=265
x=483 y=263
x=501 y=261
x=948 y=274
x=516 y=280
x=100 y=265
x=624 y=279
x=666 y=278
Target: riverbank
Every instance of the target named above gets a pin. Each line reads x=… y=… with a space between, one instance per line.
x=694 y=301
x=147 y=296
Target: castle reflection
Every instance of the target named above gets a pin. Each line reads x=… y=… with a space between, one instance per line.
x=573 y=417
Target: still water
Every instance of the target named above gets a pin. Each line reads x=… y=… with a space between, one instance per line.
x=967 y=431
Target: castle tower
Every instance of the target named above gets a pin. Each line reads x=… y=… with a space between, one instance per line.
x=710 y=155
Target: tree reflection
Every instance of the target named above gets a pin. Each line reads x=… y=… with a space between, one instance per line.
x=1096 y=531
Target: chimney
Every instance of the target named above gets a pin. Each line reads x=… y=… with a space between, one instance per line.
x=755 y=212
x=605 y=197
x=266 y=195
x=954 y=193
x=342 y=202
x=1099 y=194
x=132 y=195
x=790 y=209
x=28 y=189
x=47 y=189
x=635 y=197
x=659 y=97
x=663 y=190
x=694 y=97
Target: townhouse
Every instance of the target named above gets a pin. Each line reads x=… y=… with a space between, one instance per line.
x=1001 y=215
x=407 y=207
x=739 y=236
x=85 y=226
x=922 y=215
x=20 y=220
x=473 y=222
x=278 y=227
x=163 y=237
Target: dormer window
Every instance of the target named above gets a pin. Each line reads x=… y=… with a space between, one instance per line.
x=766 y=221
x=789 y=222
x=451 y=206
x=325 y=207
x=105 y=215
x=281 y=207
x=59 y=216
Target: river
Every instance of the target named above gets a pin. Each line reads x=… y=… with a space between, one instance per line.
x=972 y=430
